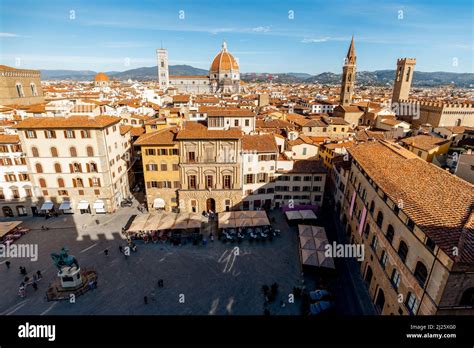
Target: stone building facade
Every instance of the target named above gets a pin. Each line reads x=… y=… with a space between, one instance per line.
x=20 y=86
x=77 y=163
x=210 y=168
x=411 y=226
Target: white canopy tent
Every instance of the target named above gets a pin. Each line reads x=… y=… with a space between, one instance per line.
x=313 y=241
x=159 y=203
x=7 y=226
x=243 y=218
x=301 y=215
x=48 y=205
x=99 y=206
x=83 y=205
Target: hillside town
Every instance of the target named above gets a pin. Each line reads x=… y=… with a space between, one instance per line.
x=394 y=166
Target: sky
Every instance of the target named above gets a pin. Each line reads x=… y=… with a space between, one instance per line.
x=264 y=35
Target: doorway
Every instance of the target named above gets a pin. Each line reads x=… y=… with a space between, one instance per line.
x=211 y=205
x=7 y=212
x=380 y=301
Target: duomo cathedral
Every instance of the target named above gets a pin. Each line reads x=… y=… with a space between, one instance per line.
x=224 y=75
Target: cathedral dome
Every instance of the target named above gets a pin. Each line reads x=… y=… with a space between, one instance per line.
x=224 y=61
x=101 y=77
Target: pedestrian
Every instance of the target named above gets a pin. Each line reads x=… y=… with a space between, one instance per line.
x=211 y=237
x=35 y=286
x=38 y=273
x=160 y=283
x=26 y=279
x=7 y=264
x=120 y=249
x=134 y=247
x=145 y=299
x=106 y=252
x=22 y=270
x=95 y=284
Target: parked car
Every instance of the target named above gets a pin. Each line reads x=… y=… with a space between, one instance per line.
x=320 y=307
x=320 y=295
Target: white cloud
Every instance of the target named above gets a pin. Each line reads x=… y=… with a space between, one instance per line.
x=261 y=29
x=313 y=40
x=9 y=35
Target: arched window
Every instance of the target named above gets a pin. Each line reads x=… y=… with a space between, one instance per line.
x=73 y=151
x=421 y=273
x=467 y=298
x=19 y=90
x=34 y=92
x=372 y=207
x=380 y=301
x=390 y=233
x=92 y=167
x=60 y=182
x=57 y=168
x=403 y=251
x=42 y=182
x=367 y=230
x=90 y=151
x=54 y=152
x=379 y=219
x=34 y=151
x=39 y=168
x=411 y=303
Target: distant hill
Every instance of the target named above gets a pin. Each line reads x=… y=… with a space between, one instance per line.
x=369 y=78
x=386 y=77
x=145 y=73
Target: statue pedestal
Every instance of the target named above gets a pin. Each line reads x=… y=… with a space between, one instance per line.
x=70 y=277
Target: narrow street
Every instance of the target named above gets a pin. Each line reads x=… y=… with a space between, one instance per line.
x=353 y=296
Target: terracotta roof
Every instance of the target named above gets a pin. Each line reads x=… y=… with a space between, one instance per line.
x=259 y=143
x=332 y=146
x=165 y=136
x=390 y=121
x=424 y=142
x=9 y=68
x=137 y=131
x=224 y=61
x=234 y=112
x=101 y=77
x=125 y=129
x=9 y=139
x=193 y=130
x=365 y=135
x=439 y=203
x=278 y=124
x=37 y=108
x=67 y=122
x=181 y=98
x=311 y=165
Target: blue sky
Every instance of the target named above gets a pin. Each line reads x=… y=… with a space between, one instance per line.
x=121 y=35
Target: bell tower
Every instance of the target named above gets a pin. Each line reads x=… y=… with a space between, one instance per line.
x=403 y=77
x=163 y=73
x=348 y=75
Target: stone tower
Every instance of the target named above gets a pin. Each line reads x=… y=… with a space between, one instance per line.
x=403 y=77
x=163 y=73
x=348 y=75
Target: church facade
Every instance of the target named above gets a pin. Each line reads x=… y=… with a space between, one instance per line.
x=224 y=75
